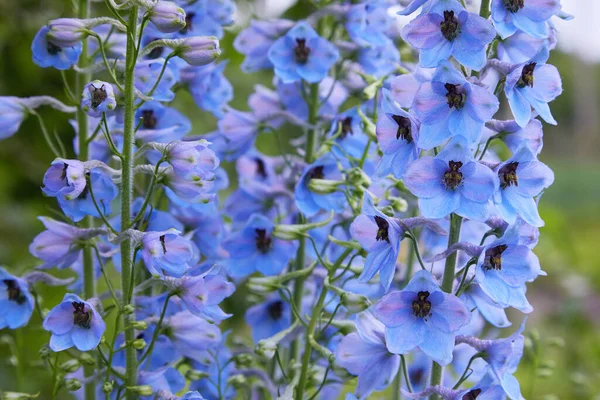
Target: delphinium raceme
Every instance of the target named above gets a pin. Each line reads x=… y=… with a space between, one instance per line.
x=372 y=227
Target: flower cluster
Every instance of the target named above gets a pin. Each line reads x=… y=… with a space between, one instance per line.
x=308 y=229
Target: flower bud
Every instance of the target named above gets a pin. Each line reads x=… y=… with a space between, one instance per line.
x=354 y=303
x=72 y=384
x=323 y=186
x=139 y=325
x=67 y=32
x=138 y=344
x=87 y=359
x=398 y=204
x=70 y=366
x=388 y=210
x=237 y=381
x=199 y=50
x=167 y=17
x=243 y=360
x=44 y=352
x=194 y=375
x=357 y=177
x=143 y=390
x=128 y=309
x=107 y=387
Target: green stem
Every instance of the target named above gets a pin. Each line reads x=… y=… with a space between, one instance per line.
x=126 y=198
x=484 y=11
x=447 y=281
x=157 y=328
x=397 y=385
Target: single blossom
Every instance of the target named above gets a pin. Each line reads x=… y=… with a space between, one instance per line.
x=380 y=236
x=74 y=322
x=367 y=23
x=449 y=105
x=160 y=124
x=199 y=50
x=167 y=253
x=16 y=302
x=67 y=32
x=255 y=249
x=98 y=97
x=167 y=16
x=397 y=133
x=451 y=182
x=532 y=85
x=104 y=191
x=202 y=295
x=12 y=114
x=255 y=40
x=268 y=318
x=522 y=177
x=146 y=76
x=364 y=353
x=65 y=178
x=351 y=140
x=209 y=87
x=530 y=16
x=47 y=54
x=311 y=202
x=302 y=55
x=462 y=35
x=422 y=316
x=192 y=335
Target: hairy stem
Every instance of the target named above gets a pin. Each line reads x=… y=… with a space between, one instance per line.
x=126 y=197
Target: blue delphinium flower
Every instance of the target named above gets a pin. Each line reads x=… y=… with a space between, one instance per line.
x=65 y=178
x=422 y=316
x=74 y=322
x=397 y=133
x=16 y=302
x=302 y=55
x=450 y=105
x=503 y=269
x=47 y=54
x=162 y=379
x=202 y=295
x=532 y=84
x=209 y=87
x=104 y=191
x=530 y=16
x=368 y=22
x=521 y=47
x=146 y=75
x=451 y=182
x=380 y=236
x=12 y=114
x=438 y=36
x=192 y=335
x=269 y=317
x=161 y=124
x=493 y=313
x=167 y=16
x=254 y=42
x=309 y=202
x=522 y=177
x=352 y=139
x=254 y=248
x=379 y=61
x=240 y=129
x=207 y=17
x=531 y=135
x=364 y=353
x=98 y=97
x=167 y=252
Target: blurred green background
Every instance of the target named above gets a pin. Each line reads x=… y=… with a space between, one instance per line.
x=567 y=302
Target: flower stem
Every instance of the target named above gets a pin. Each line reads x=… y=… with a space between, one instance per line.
x=484 y=11
x=126 y=197
x=447 y=281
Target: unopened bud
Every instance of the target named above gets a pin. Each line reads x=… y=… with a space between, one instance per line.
x=107 y=387
x=556 y=341
x=167 y=16
x=139 y=325
x=44 y=352
x=143 y=390
x=398 y=204
x=17 y=396
x=128 y=309
x=72 y=384
x=354 y=303
x=357 y=177
x=138 y=344
x=194 y=375
x=199 y=50
x=243 y=360
x=388 y=210
x=67 y=32
x=237 y=381
x=87 y=359
x=323 y=186
x=70 y=366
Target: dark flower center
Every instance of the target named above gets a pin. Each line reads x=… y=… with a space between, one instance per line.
x=493 y=257
x=263 y=240
x=453 y=177
x=514 y=5
x=473 y=394
x=346 y=127
x=98 y=95
x=449 y=25
x=316 y=173
x=508 y=175
x=260 y=167
x=455 y=96
x=275 y=309
x=84 y=193
x=63 y=174
x=162 y=243
x=14 y=291
x=301 y=52
x=148 y=119
x=383 y=229
x=81 y=317
x=155 y=52
x=526 y=78
x=404 y=129
x=53 y=49
x=421 y=306
x=188 y=23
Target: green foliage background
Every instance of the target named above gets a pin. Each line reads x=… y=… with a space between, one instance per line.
x=567 y=302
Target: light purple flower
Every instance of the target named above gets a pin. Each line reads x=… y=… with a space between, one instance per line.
x=167 y=252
